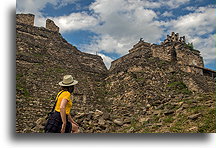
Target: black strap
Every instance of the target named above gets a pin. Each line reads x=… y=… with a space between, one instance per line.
x=48 y=115
x=57 y=100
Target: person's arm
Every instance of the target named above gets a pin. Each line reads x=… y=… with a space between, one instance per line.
x=71 y=120
x=63 y=114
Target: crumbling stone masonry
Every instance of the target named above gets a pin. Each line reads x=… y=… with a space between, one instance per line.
x=174 y=38
x=174 y=49
x=51 y=25
x=29 y=20
x=43 y=57
x=25 y=19
x=141 y=49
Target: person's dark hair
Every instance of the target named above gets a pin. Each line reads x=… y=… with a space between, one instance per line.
x=68 y=88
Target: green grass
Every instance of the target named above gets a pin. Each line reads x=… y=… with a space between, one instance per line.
x=38 y=55
x=190 y=46
x=19 y=76
x=168 y=119
x=50 y=70
x=179 y=87
x=179 y=125
x=20 y=85
x=206 y=123
x=209 y=123
x=23 y=90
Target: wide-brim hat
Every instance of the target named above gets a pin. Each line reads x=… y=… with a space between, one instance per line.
x=68 y=80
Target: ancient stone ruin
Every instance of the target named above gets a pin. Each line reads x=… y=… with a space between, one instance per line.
x=29 y=20
x=25 y=19
x=173 y=48
x=51 y=25
x=174 y=37
x=138 y=94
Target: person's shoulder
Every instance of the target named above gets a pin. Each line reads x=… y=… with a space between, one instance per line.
x=66 y=93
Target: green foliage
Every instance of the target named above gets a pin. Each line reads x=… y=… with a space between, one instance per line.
x=161 y=63
x=179 y=125
x=23 y=90
x=209 y=123
x=21 y=85
x=179 y=87
x=38 y=55
x=168 y=119
x=59 y=70
x=50 y=70
x=19 y=76
x=190 y=45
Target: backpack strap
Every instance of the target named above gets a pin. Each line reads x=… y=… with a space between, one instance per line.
x=57 y=100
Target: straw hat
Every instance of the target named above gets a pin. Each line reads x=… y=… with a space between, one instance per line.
x=68 y=81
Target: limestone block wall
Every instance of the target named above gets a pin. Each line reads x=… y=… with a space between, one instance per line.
x=25 y=19
x=140 y=46
x=174 y=50
x=191 y=69
x=141 y=52
x=51 y=25
x=117 y=62
x=162 y=52
x=188 y=57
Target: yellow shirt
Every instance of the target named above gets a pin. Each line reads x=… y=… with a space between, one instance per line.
x=64 y=95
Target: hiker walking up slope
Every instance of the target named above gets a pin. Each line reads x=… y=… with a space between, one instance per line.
x=61 y=121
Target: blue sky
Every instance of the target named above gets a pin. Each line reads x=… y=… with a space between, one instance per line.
x=112 y=27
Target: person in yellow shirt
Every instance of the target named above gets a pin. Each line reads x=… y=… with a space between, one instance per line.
x=62 y=121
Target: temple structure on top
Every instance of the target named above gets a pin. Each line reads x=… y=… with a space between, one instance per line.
x=174 y=49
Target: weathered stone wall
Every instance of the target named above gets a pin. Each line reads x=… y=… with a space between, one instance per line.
x=190 y=60
x=141 y=45
x=189 y=57
x=51 y=25
x=141 y=51
x=43 y=57
x=174 y=37
x=25 y=19
x=183 y=56
x=191 y=69
x=136 y=80
x=162 y=52
x=174 y=51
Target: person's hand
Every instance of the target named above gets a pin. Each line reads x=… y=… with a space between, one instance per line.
x=75 y=123
x=63 y=127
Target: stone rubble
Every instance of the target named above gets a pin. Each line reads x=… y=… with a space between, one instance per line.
x=145 y=91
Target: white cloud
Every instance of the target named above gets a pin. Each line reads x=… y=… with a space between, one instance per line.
x=40 y=21
x=120 y=23
x=173 y=3
x=195 y=24
x=190 y=8
x=206 y=47
x=199 y=28
x=107 y=60
x=167 y=14
x=200 y=22
x=32 y=6
x=123 y=23
x=75 y=21
x=62 y=3
x=35 y=6
x=108 y=44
